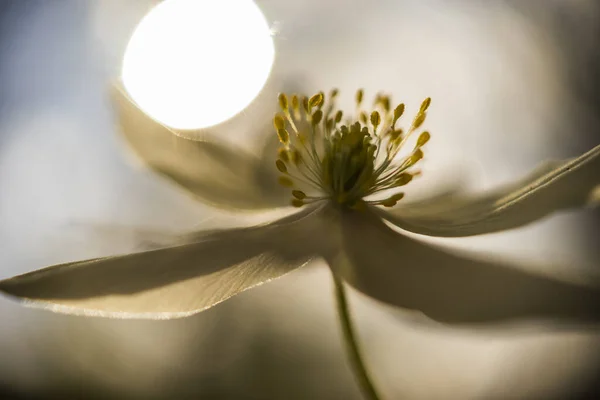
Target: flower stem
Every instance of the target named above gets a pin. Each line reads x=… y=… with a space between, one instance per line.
x=360 y=371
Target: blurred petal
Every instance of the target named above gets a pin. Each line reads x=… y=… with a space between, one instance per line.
x=451 y=288
x=551 y=187
x=175 y=281
x=219 y=174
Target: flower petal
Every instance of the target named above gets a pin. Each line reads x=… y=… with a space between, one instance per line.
x=447 y=287
x=221 y=175
x=551 y=187
x=174 y=281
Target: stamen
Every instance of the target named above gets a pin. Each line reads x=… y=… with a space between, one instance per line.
x=285 y=181
x=398 y=111
x=423 y=138
x=278 y=122
x=281 y=166
x=284 y=136
x=316 y=100
x=359 y=97
x=341 y=161
x=283 y=154
x=283 y=102
x=375 y=120
x=298 y=194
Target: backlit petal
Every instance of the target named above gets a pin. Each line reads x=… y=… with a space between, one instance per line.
x=175 y=281
x=214 y=172
x=448 y=287
x=554 y=186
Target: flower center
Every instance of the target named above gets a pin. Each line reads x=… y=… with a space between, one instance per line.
x=346 y=162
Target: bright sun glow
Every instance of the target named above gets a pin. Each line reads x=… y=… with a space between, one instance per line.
x=195 y=63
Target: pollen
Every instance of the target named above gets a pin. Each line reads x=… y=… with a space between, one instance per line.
x=359 y=160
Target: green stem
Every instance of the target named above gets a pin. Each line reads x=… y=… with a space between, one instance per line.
x=360 y=371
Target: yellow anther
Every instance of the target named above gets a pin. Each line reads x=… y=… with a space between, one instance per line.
x=278 y=122
x=328 y=124
x=296 y=157
x=388 y=203
x=339 y=159
x=305 y=104
x=375 y=119
x=395 y=134
x=296 y=106
x=403 y=179
x=398 y=111
x=417 y=155
x=297 y=203
x=425 y=105
x=285 y=181
x=423 y=138
x=419 y=119
x=316 y=117
x=385 y=103
x=284 y=136
x=363 y=117
x=299 y=194
x=316 y=100
x=397 y=196
x=359 y=97
x=281 y=166
x=283 y=102
x=338 y=116
x=392 y=200
x=283 y=154
x=302 y=138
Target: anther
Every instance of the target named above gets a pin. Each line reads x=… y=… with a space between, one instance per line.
x=316 y=100
x=283 y=154
x=338 y=116
x=316 y=117
x=359 y=97
x=375 y=120
x=403 y=179
x=363 y=117
x=305 y=104
x=285 y=181
x=419 y=119
x=281 y=166
x=284 y=136
x=283 y=102
x=398 y=111
x=391 y=201
x=278 y=122
x=423 y=138
x=425 y=105
x=297 y=203
x=299 y=194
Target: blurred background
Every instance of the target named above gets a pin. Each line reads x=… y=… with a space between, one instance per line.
x=512 y=82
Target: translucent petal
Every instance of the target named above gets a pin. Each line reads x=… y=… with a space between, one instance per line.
x=219 y=174
x=554 y=186
x=175 y=281
x=448 y=287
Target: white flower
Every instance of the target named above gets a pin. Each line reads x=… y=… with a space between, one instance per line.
x=335 y=171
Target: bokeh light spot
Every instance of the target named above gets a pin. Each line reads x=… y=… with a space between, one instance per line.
x=195 y=63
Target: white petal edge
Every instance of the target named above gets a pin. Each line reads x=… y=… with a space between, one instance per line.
x=176 y=281
x=213 y=172
x=554 y=186
x=452 y=288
